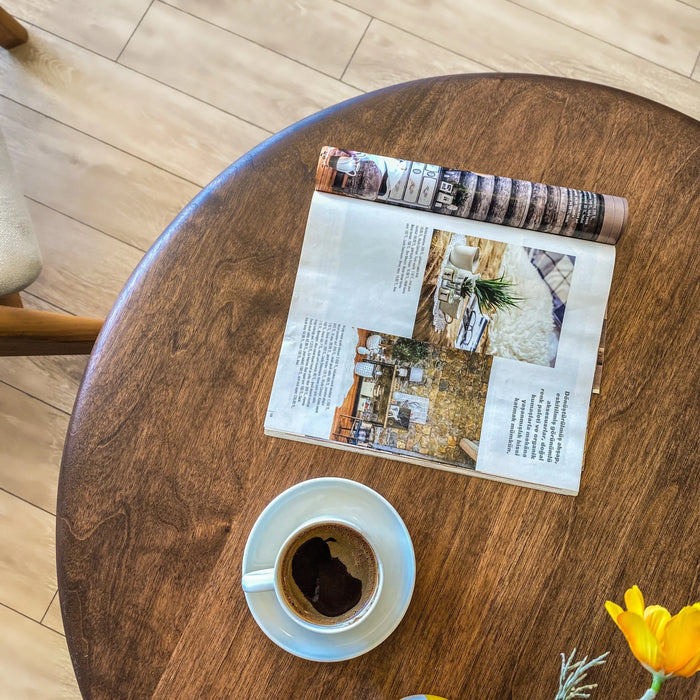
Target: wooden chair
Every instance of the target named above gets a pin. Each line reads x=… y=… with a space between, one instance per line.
x=29 y=332
x=26 y=331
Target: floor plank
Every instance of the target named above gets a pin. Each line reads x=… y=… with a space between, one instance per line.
x=509 y=38
x=387 y=56
x=27 y=568
x=52 y=379
x=666 y=32
x=103 y=27
x=321 y=34
x=32 y=435
x=222 y=69
x=34 y=661
x=124 y=108
x=88 y=281
x=89 y=180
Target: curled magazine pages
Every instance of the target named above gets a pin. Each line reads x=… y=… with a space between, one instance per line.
x=458 y=329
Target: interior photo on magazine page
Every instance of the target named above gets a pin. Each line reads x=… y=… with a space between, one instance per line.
x=448 y=342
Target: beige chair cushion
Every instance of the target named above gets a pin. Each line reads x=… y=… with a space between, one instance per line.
x=20 y=259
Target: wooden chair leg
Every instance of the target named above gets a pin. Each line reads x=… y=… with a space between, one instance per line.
x=12 y=300
x=12 y=33
x=30 y=332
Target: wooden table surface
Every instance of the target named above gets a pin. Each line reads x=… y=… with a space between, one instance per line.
x=166 y=467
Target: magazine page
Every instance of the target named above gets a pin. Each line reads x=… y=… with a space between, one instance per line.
x=451 y=343
x=499 y=200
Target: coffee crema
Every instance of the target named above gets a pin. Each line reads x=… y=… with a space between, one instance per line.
x=328 y=574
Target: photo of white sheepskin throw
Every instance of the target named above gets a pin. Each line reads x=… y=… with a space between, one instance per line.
x=523 y=333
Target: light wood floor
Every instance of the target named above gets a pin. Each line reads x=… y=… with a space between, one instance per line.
x=118 y=111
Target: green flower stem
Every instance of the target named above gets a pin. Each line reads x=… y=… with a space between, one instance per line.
x=656 y=683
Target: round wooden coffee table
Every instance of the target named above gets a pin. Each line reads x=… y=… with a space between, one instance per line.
x=166 y=467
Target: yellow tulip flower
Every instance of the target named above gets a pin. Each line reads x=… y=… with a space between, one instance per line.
x=665 y=645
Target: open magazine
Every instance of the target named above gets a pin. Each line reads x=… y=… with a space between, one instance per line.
x=458 y=329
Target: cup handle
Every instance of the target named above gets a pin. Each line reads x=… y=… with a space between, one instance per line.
x=254 y=581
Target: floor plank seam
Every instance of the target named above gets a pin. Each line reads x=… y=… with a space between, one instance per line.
x=31 y=396
x=136 y=28
x=84 y=223
x=602 y=41
x=102 y=141
x=28 y=502
x=352 y=56
x=34 y=295
x=9 y=607
x=204 y=102
x=48 y=627
x=144 y=75
x=29 y=25
x=48 y=607
x=252 y=41
x=488 y=68
x=696 y=66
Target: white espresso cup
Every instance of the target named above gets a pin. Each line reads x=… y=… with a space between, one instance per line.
x=326 y=576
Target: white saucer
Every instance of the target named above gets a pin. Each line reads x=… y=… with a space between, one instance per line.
x=355 y=503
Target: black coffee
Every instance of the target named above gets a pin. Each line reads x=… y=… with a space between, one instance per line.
x=324 y=579
x=329 y=574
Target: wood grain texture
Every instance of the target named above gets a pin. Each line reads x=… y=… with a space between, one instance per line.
x=103 y=27
x=27 y=574
x=666 y=32
x=387 y=56
x=87 y=281
x=34 y=660
x=321 y=34
x=507 y=37
x=31 y=435
x=166 y=466
x=52 y=379
x=71 y=172
x=124 y=108
x=232 y=73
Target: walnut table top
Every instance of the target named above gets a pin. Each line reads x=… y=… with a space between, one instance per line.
x=166 y=467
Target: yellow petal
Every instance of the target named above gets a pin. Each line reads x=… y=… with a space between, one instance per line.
x=656 y=619
x=634 y=600
x=641 y=640
x=693 y=666
x=681 y=642
x=614 y=609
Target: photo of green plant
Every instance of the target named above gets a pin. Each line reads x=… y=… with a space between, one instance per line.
x=491 y=297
